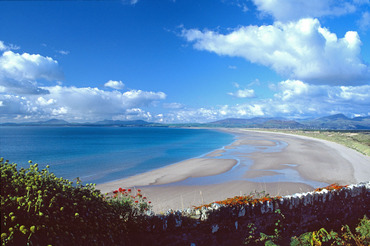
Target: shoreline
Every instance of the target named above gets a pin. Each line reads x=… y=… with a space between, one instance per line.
x=277 y=163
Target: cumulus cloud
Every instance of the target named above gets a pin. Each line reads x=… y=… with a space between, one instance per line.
x=23 y=98
x=293 y=99
x=84 y=103
x=118 y=85
x=289 y=10
x=29 y=66
x=19 y=72
x=298 y=50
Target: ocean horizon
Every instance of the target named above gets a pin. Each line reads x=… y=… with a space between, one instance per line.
x=103 y=154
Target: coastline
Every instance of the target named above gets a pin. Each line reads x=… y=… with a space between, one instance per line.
x=255 y=161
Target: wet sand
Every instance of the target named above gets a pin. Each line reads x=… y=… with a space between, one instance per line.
x=267 y=167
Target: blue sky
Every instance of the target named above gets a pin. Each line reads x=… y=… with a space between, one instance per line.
x=182 y=60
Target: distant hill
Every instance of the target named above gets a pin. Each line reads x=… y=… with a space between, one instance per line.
x=55 y=122
x=339 y=122
x=331 y=122
x=122 y=123
x=52 y=122
x=257 y=122
x=335 y=122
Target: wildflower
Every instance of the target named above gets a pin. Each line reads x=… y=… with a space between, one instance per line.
x=120 y=189
x=136 y=201
x=138 y=190
x=116 y=191
x=129 y=190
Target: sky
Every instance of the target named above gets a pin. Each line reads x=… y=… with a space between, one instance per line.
x=179 y=61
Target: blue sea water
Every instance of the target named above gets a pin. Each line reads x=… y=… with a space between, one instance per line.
x=103 y=154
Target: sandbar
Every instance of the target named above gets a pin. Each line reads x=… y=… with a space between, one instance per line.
x=311 y=160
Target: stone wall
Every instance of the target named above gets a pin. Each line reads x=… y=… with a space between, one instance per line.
x=230 y=225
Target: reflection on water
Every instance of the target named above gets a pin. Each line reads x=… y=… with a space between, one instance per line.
x=242 y=154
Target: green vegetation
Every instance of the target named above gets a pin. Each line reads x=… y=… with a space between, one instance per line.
x=357 y=140
x=39 y=208
x=360 y=237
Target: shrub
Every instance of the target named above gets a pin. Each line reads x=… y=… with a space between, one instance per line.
x=39 y=208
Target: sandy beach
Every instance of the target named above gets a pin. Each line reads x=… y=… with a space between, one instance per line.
x=276 y=163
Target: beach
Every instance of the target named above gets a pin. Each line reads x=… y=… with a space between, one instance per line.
x=274 y=163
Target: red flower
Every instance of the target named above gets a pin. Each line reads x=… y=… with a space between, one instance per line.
x=129 y=190
x=120 y=189
x=136 y=201
x=116 y=191
x=123 y=190
x=138 y=190
x=149 y=202
x=144 y=197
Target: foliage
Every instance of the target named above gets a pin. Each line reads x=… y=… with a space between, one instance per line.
x=322 y=237
x=39 y=208
x=252 y=198
x=331 y=187
x=264 y=239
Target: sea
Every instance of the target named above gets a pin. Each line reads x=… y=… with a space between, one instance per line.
x=102 y=154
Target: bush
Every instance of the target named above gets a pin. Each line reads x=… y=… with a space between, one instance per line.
x=345 y=237
x=39 y=208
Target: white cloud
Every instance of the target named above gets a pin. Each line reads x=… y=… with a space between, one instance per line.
x=298 y=50
x=4 y=47
x=244 y=93
x=293 y=99
x=364 y=22
x=118 y=85
x=22 y=97
x=173 y=105
x=19 y=72
x=63 y=52
x=289 y=10
x=84 y=103
x=29 y=66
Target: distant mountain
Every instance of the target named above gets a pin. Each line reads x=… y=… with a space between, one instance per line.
x=257 y=122
x=335 y=122
x=361 y=118
x=52 y=122
x=333 y=117
x=339 y=122
x=331 y=122
x=55 y=122
x=251 y=121
x=122 y=123
x=290 y=124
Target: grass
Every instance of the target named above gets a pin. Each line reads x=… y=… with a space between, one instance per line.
x=357 y=140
